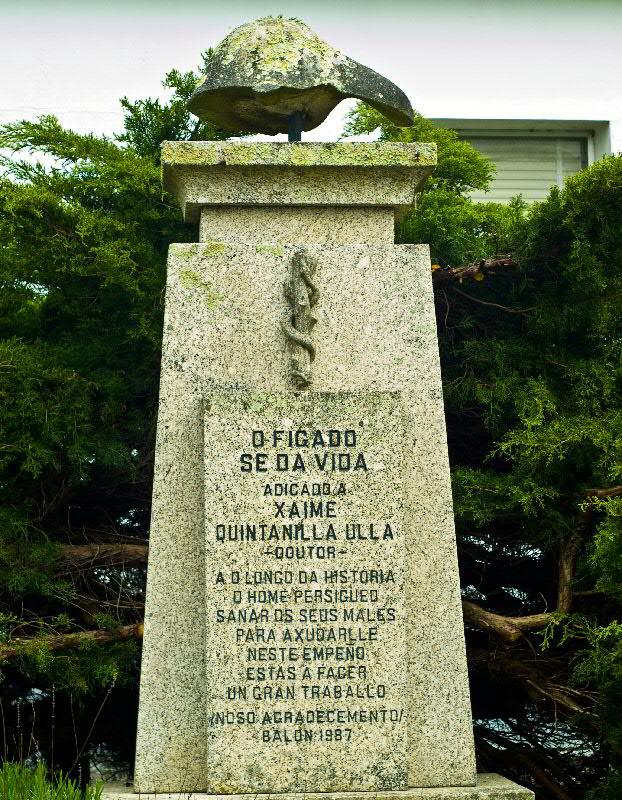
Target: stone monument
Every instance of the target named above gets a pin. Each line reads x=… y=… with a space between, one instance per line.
x=303 y=627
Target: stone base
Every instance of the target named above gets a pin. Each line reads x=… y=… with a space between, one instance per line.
x=489 y=787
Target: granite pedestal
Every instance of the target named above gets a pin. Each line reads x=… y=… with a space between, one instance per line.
x=303 y=627
x=488 y=786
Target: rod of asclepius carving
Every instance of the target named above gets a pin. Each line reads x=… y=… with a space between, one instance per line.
x=302 y=295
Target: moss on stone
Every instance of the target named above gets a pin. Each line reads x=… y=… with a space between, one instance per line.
x=278 y=52
x=307 y=154
x=211 y=249
x=190 y=279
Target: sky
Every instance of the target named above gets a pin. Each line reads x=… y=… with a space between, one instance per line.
x=537 y=59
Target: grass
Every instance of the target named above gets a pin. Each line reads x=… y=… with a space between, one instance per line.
x=18 y=782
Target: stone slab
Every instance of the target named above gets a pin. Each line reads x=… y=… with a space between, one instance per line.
x=306 y=567
x=376 y=332
x=301 y=174
x=489 y=786
x=295 y=224
x=362 y=155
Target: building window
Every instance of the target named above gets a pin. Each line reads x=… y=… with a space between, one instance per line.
x=528 y=166
x=530 y=156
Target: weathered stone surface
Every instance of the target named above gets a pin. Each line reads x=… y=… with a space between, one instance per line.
x=375 y=332
x=279 y=174
x=299 y=154
x=266 y=70
x=488 y=787
x=228 y=351
x=295 y=224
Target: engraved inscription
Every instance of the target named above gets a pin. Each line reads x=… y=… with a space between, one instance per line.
x=305 y=580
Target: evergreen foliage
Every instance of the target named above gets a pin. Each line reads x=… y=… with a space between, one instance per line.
x=532 y=372
x=531 y=359
x=82 y=265
x=148 y=122
x=457 y=230
x=18 y=782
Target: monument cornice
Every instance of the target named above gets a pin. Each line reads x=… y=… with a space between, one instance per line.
x=382 y=174
x=299 y=154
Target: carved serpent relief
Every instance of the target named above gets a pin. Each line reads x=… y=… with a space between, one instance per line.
x=302 y=295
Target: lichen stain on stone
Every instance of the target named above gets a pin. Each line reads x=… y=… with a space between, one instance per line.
x=240 y=154
x=272 y=249
x=349 y=402
x=189 y=279
x=211 y=249
x=185 y=251
x=308 y=154
x=267 y=403
x=280 y=51
x=222 y=788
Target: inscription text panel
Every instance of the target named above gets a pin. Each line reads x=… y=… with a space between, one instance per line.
x=305 y=557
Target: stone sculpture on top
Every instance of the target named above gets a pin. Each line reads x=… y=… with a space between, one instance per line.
x=275 y=75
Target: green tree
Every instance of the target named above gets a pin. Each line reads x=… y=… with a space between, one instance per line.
x=82 y=267
x=531 y=353
x=150 y=122
x=530 y=344
x=458 y=230
x=85 y=229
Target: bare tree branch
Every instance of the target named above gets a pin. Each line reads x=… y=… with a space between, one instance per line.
x=510 y=629
x=511 y=756
x=567 y=562
x=508 y=309
x=612 y=491
x=536 y=683
x=85 y=556
x=477 y=270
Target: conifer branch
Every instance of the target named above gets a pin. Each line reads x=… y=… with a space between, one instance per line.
x=66 y=641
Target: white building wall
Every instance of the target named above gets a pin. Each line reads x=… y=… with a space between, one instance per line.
x=504 y=59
